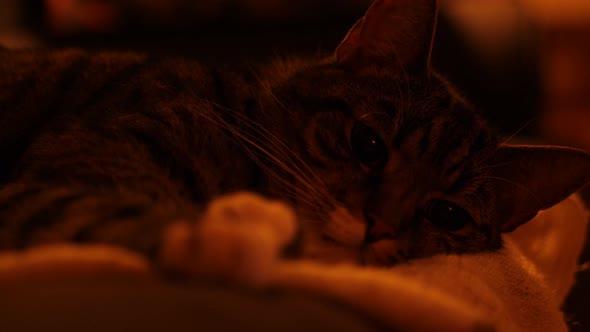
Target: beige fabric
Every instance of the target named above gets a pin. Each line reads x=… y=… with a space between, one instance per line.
x=553 y=241
x=518 y=288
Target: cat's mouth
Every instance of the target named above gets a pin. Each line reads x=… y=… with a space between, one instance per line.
x=363 y=233
x=382 y=253
x=377 y=229
x=356 y=229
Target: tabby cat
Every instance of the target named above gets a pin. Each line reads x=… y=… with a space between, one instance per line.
x=379 y=156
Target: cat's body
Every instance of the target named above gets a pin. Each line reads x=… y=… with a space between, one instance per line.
x=169 y=132
x=378 y=155
x=152 y=130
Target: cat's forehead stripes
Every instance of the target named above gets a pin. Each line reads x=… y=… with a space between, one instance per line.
x=422 y=117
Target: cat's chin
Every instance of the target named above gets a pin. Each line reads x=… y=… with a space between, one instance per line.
x=331 y=252
x=342 y=239
x=382 y=253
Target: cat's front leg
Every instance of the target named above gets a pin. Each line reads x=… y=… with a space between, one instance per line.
x=239 y=238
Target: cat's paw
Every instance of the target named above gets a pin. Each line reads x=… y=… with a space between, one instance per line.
x=239 y=238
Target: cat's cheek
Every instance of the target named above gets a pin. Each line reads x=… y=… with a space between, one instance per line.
x=345 y=228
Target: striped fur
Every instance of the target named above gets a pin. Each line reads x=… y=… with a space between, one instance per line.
x=113 y=147
x=88 y=132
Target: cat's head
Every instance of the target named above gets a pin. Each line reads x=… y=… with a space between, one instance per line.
x=396 y=161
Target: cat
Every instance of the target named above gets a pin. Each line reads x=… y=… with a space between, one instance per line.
x=373 y=155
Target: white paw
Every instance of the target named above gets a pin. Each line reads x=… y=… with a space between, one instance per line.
x=239 y=239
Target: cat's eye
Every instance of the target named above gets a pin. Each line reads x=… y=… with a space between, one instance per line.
x=367 y=147
x=447 y=215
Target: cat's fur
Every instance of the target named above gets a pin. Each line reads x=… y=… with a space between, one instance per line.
x=115 y=147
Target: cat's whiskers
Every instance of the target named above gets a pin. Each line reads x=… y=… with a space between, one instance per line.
x=276 y=139
x=286 y=152
x=300 y=194
x=505 y=142
x=268 y=90
x=307 y=176
x=528 y=123
x=321 y=201
x=296 y=192
x=320 y=198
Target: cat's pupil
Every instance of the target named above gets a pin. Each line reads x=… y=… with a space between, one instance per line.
x=447 y=215
x=367 y=146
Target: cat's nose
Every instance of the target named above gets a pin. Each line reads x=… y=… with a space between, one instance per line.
x=377 y=229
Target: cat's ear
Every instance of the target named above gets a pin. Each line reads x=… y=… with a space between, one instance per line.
x=532 y=178
x=394 y=34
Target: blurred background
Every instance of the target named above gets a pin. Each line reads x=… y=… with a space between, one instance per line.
x=524 y=63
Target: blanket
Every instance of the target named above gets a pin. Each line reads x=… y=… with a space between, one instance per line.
x=518 y=288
